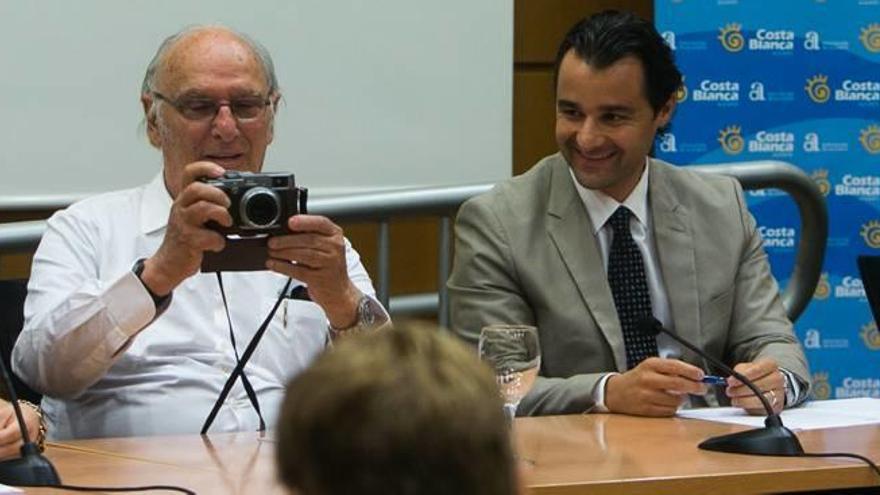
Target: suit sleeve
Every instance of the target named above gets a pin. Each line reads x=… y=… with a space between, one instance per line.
x=485 y=288
x=760 y=327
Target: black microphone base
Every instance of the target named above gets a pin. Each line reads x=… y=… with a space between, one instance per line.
x=769 y=440
x=32 y=469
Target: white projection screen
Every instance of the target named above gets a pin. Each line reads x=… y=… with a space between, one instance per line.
x=378 y=94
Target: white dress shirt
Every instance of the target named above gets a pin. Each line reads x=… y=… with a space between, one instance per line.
x=90 y=342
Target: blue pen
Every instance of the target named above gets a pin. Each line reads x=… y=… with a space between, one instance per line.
x=714 y=380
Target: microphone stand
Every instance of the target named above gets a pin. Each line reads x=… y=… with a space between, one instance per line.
x=773 y=439
x=31 y=469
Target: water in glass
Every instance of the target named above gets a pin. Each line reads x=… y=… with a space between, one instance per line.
x=514 y=353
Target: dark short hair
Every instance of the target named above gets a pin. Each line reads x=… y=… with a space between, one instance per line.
x=409 y=410
x=604 y=38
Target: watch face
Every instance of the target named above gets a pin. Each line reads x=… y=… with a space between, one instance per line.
x=366 y=315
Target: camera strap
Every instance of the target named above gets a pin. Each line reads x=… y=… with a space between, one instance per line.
x=242 y=361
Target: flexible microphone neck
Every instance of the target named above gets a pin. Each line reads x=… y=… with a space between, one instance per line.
x=652 y=326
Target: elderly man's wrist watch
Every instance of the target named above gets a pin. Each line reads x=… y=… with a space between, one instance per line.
x=369 y=315
x=161 y=302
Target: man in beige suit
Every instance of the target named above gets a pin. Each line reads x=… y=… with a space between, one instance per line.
x=598 y=236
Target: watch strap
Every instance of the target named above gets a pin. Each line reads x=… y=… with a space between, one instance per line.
x=161 y=302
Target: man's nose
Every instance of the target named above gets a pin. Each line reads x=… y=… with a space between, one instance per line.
x=224 y=126
x=589 y=134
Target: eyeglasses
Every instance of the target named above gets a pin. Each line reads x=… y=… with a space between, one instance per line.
x=199 y=109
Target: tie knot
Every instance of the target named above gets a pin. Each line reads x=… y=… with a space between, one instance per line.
x=620 y=219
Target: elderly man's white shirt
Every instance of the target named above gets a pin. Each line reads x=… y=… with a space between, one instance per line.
x=91 y=344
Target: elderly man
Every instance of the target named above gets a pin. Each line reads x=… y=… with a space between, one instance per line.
x=598 y=237
x=122 y=333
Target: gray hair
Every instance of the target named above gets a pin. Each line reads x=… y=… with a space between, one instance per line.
x=255 y=46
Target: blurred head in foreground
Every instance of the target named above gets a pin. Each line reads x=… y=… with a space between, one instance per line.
x=408 y=410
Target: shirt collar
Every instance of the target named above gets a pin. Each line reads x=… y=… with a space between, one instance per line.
x=601 y=206
x=155 y=205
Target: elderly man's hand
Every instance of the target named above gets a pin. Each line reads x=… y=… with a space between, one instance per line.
x=656 y=387
x=10 y=434
x=186 y=237
x=766 y=376
x=315 y=253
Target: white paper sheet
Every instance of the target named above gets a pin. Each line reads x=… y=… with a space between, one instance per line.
x=810 y=416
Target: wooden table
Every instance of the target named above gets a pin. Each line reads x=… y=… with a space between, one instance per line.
x=561 y=455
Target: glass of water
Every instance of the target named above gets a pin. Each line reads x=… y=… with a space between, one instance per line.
x=514 y=353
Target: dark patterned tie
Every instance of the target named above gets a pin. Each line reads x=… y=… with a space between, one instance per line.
x=629 y=287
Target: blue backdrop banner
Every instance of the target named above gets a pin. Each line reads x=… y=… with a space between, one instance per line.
x=797 y=81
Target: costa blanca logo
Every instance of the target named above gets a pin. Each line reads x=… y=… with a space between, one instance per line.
x=862 y=186
x=681 y=94
x=731 y=139
x=731 y=38
x=817 y=88
x=669 y=38
x=858 y=387
x=858 y=91
x=667 y=143
x=776 y=40
x=870 y=139
x=821 y=387
x=870 y=336
x=820 y=177
x=871 y=233
x=823 y=287
x=777 y=237
x=720 y=91
x=849 y=288
x=870 y=37
x=778 y=143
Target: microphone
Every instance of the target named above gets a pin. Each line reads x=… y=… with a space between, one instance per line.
x=772 y=439
x=31 y=469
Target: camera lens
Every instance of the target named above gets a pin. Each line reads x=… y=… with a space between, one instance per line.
x=260 y=208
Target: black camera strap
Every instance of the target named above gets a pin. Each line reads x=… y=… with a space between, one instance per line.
x=242 y=361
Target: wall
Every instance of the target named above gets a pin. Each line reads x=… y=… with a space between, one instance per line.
x=538 y=27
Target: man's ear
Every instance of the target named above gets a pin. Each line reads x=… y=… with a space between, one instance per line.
x=275 y=99
x=664 y=114
x=150 y=117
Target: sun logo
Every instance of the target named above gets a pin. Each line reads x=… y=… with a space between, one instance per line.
x=731 y=139
x=823 y=287
x=820 y=177
x=870 y=336
x=871 y=233
x=731 y=38
x=821 y=387
x=681 y=93
x=870 y=37
x=817 y=88
x=870 y=139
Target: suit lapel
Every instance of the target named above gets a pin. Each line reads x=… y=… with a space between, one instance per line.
x=569 y=228
x=675 y=250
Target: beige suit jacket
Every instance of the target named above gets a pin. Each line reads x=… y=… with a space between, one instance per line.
x=525 y=253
